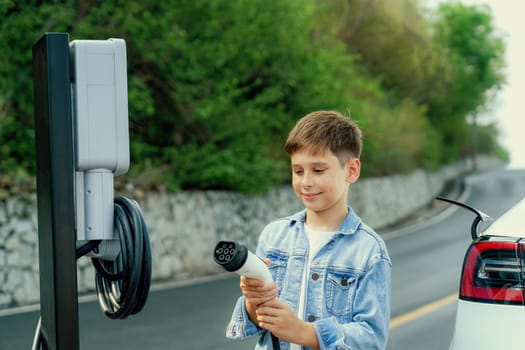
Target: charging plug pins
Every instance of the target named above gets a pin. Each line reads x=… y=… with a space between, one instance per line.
x=225 y=252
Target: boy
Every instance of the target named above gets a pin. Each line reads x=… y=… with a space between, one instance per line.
x=331 y=271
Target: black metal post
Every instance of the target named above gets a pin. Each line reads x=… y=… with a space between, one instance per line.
x=55 y=191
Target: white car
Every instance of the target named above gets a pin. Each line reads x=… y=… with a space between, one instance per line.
x=491 y=305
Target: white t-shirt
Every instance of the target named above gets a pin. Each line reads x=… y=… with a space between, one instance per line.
x=316 y=239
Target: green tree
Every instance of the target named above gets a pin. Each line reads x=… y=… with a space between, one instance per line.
x=470 y=70
x=215 y=86
x=21 y=25
x=448 y=62
x=393 y=39
x=393 y=42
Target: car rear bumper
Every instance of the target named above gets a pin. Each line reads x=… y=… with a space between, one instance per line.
x=484 y=326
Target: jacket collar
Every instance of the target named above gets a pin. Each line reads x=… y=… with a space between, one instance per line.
x=349 y=225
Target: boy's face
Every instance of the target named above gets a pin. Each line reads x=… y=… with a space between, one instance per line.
x=320 y=181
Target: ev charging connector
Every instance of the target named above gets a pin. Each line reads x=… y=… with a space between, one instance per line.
x=235 y=257
x=100 y=104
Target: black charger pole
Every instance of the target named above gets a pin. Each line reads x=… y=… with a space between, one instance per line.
x=55 y=192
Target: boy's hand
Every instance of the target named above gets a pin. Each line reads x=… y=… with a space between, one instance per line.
x=256 y=292
x=277 y=317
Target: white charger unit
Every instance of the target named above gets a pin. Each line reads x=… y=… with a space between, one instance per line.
x=100 y=100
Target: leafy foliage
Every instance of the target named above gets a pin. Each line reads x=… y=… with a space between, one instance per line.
x=449 y=62
x=471 y=68
x=215 y=86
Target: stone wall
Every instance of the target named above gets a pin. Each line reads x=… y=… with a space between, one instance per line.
x=185 y=226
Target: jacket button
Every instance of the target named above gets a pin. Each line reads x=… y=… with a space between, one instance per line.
x=311 y=318
x=315 y=276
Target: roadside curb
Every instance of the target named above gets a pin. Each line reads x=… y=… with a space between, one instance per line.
x=435 y=211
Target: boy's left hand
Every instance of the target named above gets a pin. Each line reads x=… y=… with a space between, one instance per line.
x=277 y=317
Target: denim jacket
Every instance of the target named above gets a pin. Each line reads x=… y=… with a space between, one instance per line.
x=348 y=290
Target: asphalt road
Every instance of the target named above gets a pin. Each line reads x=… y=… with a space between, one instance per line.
x=426 y=260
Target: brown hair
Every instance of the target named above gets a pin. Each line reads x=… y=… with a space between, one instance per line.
x=322 y=130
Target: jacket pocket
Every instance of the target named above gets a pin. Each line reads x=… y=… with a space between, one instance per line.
x=340 y=290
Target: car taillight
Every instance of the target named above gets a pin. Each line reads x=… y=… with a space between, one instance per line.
x=493 y=272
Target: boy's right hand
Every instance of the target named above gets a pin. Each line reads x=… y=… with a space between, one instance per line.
x=256 y=292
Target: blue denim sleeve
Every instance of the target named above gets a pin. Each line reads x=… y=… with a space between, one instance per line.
x=240 y=325
x=370 y=324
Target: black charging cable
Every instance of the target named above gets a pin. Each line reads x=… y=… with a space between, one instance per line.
x=275 y=342
x=122 y=284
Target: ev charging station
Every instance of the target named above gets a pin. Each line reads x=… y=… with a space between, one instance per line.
x=100 y=106
x=82 y=142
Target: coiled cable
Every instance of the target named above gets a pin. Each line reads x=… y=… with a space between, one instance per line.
x=122 y=284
